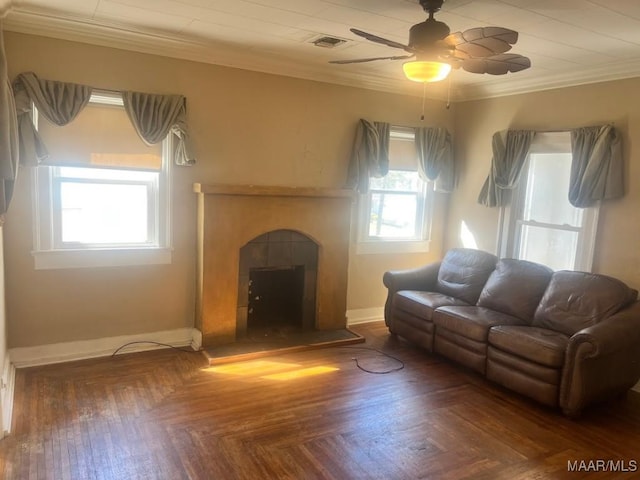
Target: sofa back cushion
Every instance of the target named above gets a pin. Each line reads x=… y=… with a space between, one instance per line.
x=463 y=273
x=577 y=300
x=515 y=287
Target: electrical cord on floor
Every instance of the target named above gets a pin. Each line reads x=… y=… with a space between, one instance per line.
x=351 y=347
x=376 y=372
x=155 y=343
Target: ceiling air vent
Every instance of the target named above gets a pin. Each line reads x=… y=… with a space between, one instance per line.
x=326 y=41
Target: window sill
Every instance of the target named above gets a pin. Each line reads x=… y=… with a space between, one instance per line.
x=59 y=259
x=388 y=247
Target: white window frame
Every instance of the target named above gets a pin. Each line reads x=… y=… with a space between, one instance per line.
x=50 y=252
x=419 y=243
x=511 y=215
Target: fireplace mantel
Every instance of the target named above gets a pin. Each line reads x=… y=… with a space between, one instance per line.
x=271 y=191
x=230 y=216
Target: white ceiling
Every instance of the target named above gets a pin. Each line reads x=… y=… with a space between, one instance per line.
x=569 y=42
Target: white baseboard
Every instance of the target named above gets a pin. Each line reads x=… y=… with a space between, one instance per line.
x=101 y=347
x=364 y=315
x=7 y=387
x=196 y=339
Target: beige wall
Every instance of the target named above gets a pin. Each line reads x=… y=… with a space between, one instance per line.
x=5 y=402
x=618 y=102
x=248 y=128
x=3 y=317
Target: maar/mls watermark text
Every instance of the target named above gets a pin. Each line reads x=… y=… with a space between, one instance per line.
x=601 y=465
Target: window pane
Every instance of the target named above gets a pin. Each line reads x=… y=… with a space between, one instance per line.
x=554 y=248
x=548 y=190
x=393 y=215
x=399 y=180
x=104 y=213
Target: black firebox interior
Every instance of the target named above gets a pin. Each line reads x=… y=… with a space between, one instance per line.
x=276 y=296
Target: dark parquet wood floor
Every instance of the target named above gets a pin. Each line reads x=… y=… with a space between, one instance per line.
x=311 y=415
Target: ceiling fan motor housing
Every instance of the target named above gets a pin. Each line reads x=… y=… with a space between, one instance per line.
x=476 y=50
x=426 y=34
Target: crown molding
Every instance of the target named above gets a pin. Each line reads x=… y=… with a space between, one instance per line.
x=5 y=7
x=522 y=85
x=197 y=50
x=54 y=25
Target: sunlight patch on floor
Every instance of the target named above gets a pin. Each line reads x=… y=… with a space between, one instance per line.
x=303 y=372
x=270 y=370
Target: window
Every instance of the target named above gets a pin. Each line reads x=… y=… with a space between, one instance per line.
x=541 y=225
x=395 y=213
x=104 y=208
x=103 y=199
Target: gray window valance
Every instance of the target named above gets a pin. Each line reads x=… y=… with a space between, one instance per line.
x=510 y=150
x=435 y=157
x=597 y=171
x=8 y=135
x=58 y=102
x=370 y=155
x=153 y=116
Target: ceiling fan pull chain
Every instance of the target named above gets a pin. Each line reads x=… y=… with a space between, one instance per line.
x=424 y=93
x=449 y=93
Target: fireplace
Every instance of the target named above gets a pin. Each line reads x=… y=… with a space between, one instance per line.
x=277 y=284
x=282 y=221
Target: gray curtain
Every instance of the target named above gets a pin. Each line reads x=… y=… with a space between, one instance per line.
x=597 y=171
x=435 y=157
x=155 y=116
x=58 y=102
x=510 y=150
x=8 y=135
x=370 y=155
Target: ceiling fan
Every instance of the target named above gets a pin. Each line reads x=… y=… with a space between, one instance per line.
x=436 y=50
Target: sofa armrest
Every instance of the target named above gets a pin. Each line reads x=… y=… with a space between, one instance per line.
x=421 y=278
x=602 y=360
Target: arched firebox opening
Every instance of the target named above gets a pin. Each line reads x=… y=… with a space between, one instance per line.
x=277 y=285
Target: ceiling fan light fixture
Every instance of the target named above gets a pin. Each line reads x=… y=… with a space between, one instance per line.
x=426 y=71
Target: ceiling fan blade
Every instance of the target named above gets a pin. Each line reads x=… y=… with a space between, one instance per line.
x=374 y=38
x=482 y=41
x=497 y=64
x=363 y=60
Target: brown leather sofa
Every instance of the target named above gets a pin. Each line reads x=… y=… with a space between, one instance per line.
x=566 y=339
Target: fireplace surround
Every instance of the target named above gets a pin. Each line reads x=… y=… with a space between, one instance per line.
x=230 y=217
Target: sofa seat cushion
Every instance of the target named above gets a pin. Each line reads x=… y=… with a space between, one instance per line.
x=470 y=321
x=539 y=345
x=422 y=304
